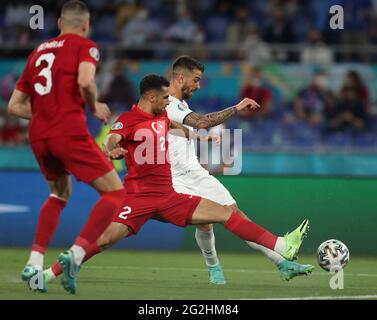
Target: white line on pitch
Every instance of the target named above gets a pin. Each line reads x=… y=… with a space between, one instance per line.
x=227 y=270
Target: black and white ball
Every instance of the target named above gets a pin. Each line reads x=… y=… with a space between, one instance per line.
x=332 y=255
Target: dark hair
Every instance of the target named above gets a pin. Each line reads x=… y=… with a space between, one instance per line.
x=75 y=6
x=188 y=63
x=153 y=82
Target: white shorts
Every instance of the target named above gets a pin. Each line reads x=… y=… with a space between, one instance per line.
x=201 y=183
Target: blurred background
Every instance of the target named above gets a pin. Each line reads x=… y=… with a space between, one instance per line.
x=311 y=151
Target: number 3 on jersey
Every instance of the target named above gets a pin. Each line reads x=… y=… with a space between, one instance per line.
x=45 y=72
x=123 y=214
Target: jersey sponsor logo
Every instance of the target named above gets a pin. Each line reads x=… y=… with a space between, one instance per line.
x=94 y=53
x=182 y=107
x=117 y=126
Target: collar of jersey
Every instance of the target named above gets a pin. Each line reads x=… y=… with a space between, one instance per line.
x=135 y=108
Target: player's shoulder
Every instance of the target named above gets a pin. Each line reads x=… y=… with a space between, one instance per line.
x=176 y=105
x=125 y=120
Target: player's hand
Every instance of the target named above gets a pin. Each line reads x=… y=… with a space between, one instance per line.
x=247 y=103
x=117 y=153
x=102 y=112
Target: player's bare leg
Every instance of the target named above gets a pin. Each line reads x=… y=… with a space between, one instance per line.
x=287 y=269
x=112 y=193
x=245 y=229
x=60 y=192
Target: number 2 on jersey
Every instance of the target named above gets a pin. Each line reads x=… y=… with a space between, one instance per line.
x=45 y=72
x=123 y=214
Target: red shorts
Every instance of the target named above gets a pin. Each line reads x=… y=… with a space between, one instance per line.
x=76 y=155
x=176 y=208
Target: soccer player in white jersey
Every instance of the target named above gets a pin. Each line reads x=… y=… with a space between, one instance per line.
x=191 y=178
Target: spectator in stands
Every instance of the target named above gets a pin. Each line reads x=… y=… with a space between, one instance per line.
x=354 y=80
x=185 y=30
x=255 y=89
x=315 y=51
x=256 y=51
x=350 y=113
x=312 y=101
x=140 y=29
x=120 y=92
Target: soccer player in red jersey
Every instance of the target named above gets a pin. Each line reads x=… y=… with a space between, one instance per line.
x=59 y=78
x=140 y=136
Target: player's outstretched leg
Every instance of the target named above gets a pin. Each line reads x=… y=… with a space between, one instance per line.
x=205 y=239
x=245 y=229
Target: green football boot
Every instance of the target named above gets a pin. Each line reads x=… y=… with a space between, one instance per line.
x=289 y=269
x=70 y=270
x=294 y=239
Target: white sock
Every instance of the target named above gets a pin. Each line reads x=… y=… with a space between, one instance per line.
x=206 y=242
x=270 y=254
x=79 y=254
x=50 y=274
x=36 y=259
x=280 y=245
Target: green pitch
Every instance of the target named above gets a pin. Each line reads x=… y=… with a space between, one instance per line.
x=182 y=275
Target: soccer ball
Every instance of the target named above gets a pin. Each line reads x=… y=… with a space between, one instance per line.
x=332 y=255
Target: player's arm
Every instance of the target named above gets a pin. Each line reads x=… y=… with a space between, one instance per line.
x=215 y=118
x=19 y=105
x=180 y=130
x=88 y=89
x=111 y=146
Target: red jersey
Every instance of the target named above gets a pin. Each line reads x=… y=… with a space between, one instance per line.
x=50 y=79
x=144 y=136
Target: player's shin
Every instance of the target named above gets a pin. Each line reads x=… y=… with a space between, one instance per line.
x=47 y=222
x=250 y=231
x=275 y=257
x=206 y=242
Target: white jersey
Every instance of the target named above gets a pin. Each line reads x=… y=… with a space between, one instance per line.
x=188 y=175
x=181 y=151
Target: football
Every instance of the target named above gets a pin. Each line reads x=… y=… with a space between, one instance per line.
x=332 y=255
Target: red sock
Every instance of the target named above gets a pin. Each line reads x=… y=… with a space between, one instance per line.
x=47 y=222
x=100 y=217
x=250 y=231
x=91 y=250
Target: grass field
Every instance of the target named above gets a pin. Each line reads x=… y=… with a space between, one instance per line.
x=183 y=276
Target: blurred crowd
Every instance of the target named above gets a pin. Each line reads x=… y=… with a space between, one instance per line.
x=247 y=29
x=254 y=32
x=315 y=115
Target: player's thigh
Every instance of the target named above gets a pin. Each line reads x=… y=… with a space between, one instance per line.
x=114 y=232
x=135 y=212
x=206 y=186
x=51 y=167
x=82 y=158
x=62 y=187
x=210 y=212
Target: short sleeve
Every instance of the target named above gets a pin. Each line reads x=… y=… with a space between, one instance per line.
x=177 y=111
x=23 y=83
x=89 y=52
x=119 y=127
